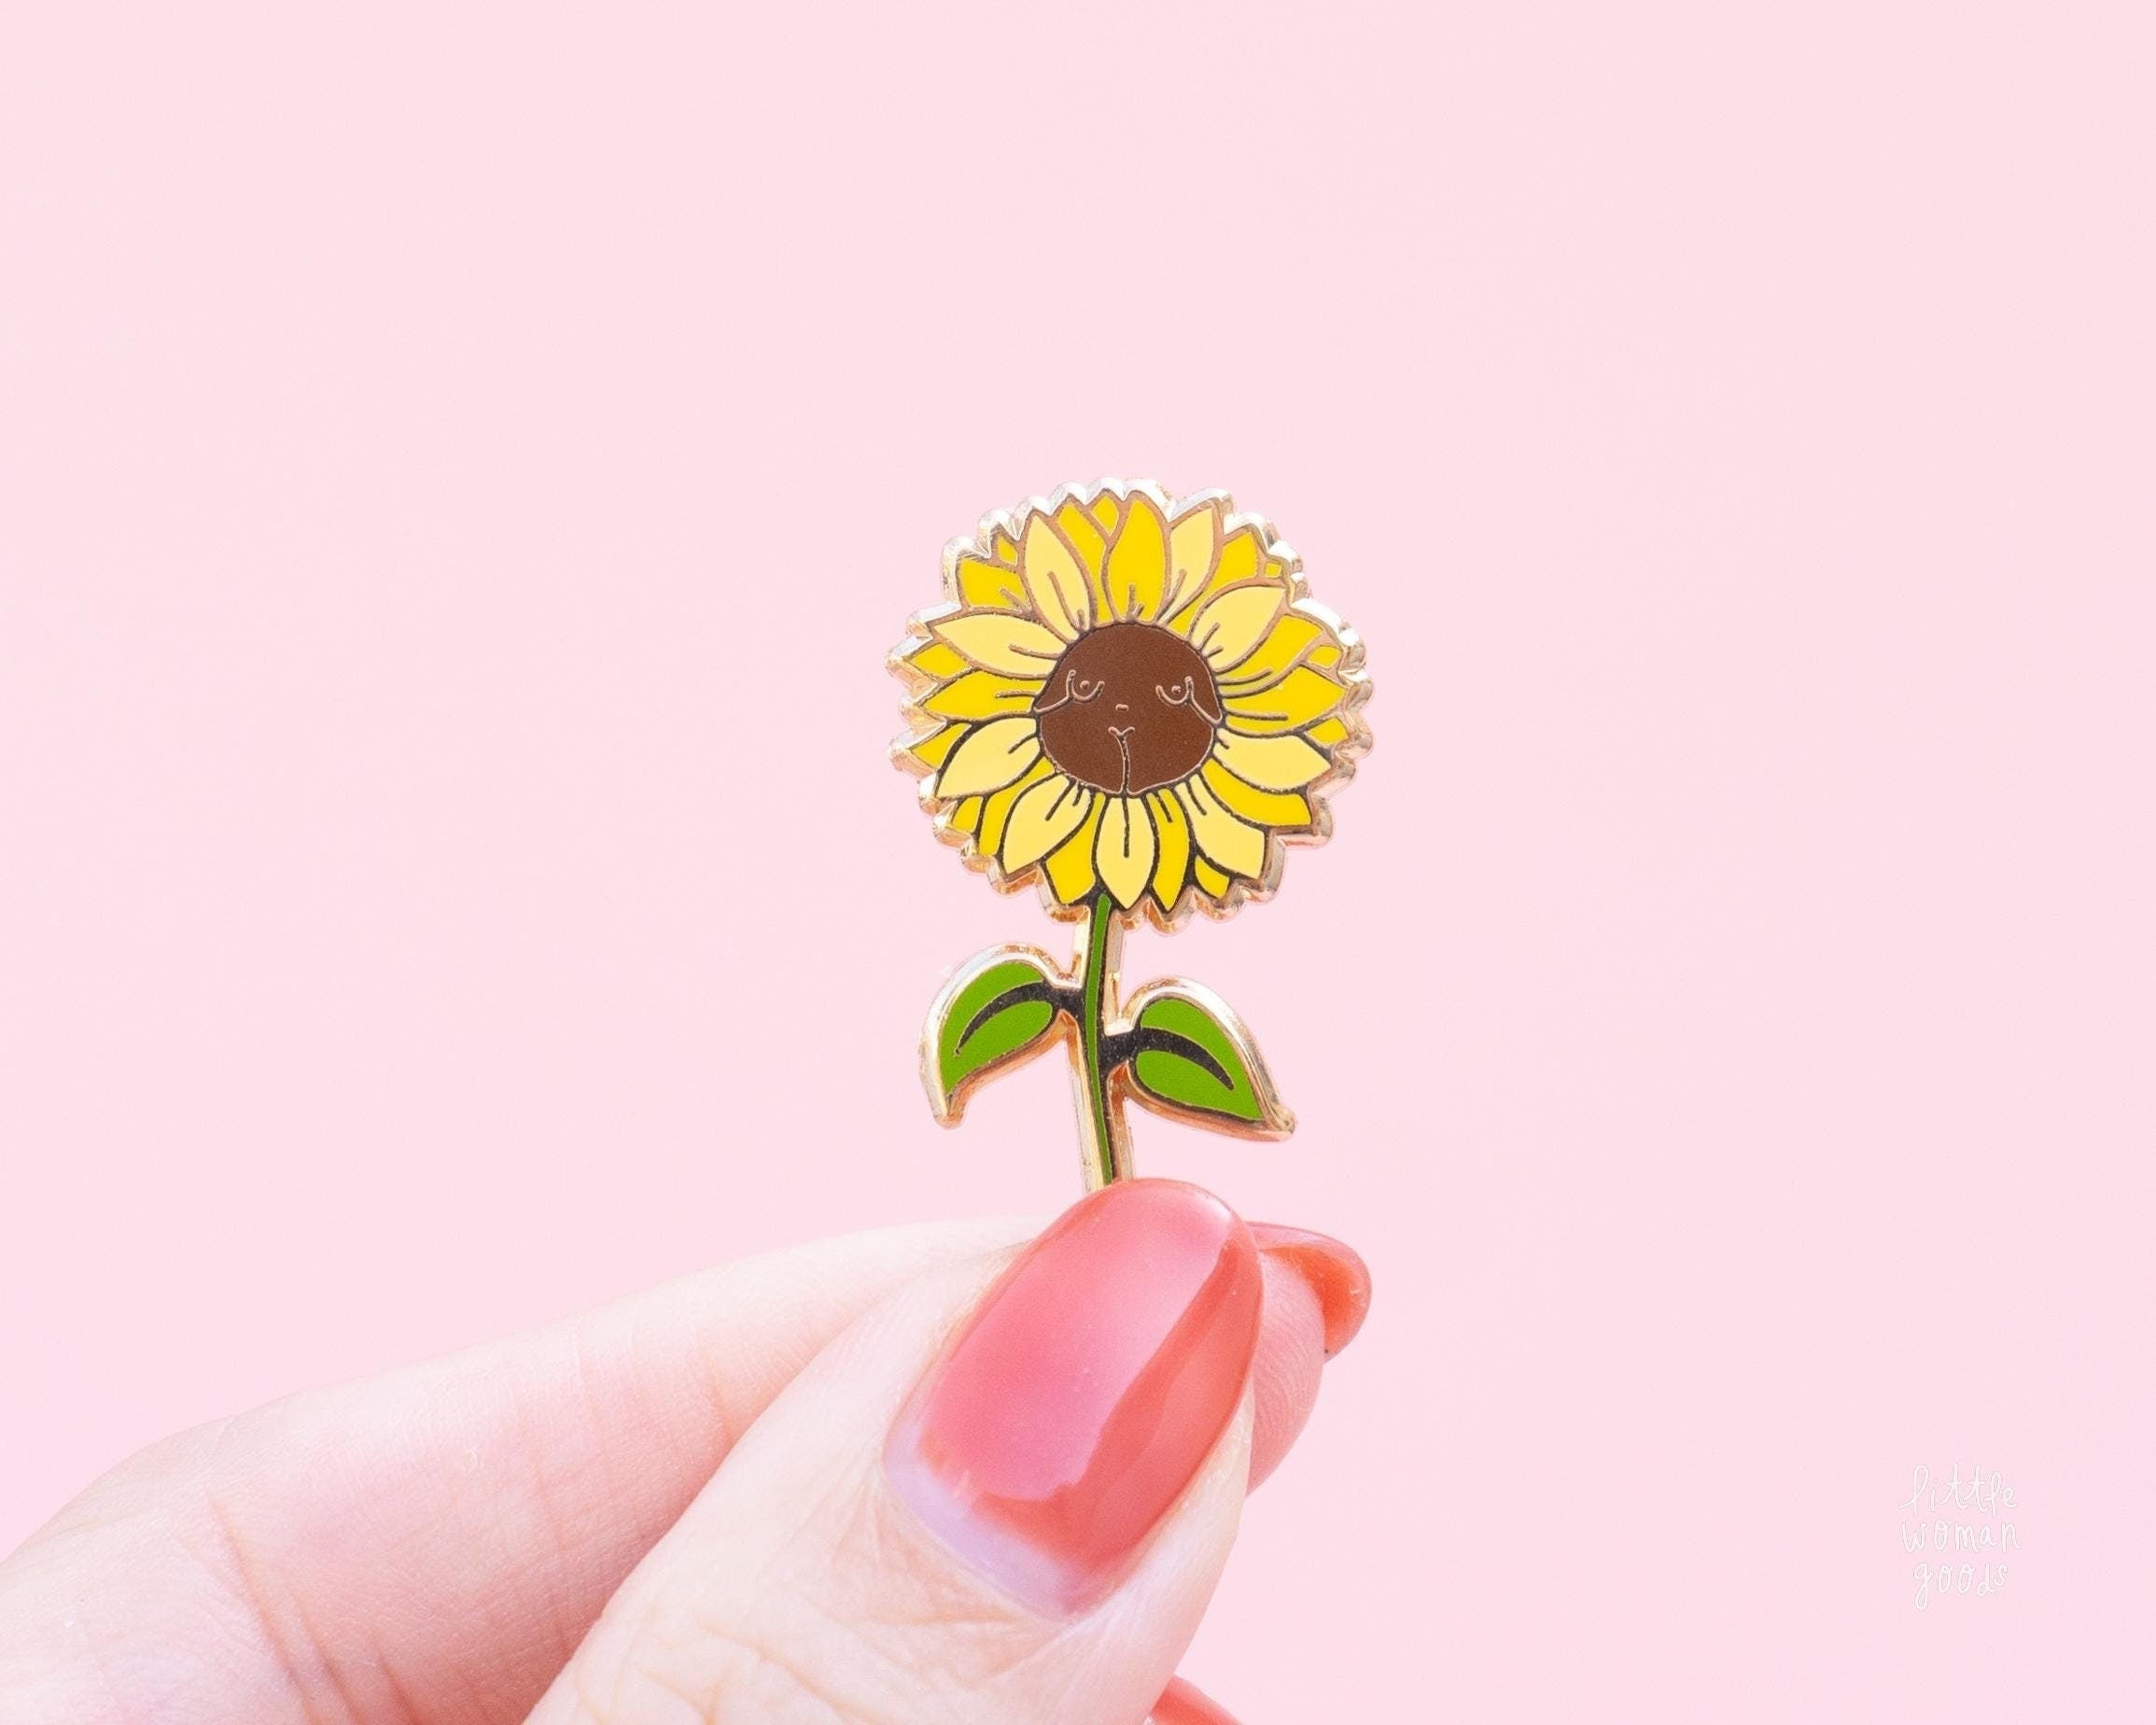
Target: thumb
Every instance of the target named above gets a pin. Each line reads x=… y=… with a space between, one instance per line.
x=996 y=1497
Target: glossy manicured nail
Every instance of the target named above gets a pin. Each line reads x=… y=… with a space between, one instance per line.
x=1180 y=1704
x=1337 y=1275
x=1094 y=1378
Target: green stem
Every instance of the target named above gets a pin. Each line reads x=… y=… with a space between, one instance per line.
x=1093 y=993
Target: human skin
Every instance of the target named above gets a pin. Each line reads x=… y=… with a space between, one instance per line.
x=951 y=1473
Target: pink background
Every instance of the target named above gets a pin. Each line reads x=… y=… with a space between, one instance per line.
x=460 y=471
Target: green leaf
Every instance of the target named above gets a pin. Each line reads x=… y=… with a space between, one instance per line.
x=1189 y=1056
x=999 y=1009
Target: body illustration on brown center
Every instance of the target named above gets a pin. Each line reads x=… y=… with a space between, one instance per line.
x=1129 y=708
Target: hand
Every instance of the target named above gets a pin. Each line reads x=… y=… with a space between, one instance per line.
x=921 y=1475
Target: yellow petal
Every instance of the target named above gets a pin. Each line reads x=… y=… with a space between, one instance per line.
x=1138 y=561
x=1193 y=544
x=1210 y=879
x=1044 y=817
x=1278 y=809
x=1085 y=532
x=1235 y=845
x=1300 y=698
x=1126 y=852
x=966 y=816
x=937 y=659
x=1054 y=579
x=1284 y=647
x=932 y=749
x=1070 y=876
x=1171 y=826
x=1329 y=732
x=1091 y=545
x=989 y=757
x=1271 y=763
x=995 y=808
x=990 y=586
x=1107 y=511
x=983 y=695
x=1326 y=656
x=1237 y=562
x=999 y=641
x=1231 y=625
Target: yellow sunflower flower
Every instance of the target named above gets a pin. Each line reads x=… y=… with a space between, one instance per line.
x=1130 y=693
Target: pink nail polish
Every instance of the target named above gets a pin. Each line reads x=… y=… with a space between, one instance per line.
x=1337 y=1275
x=1180 y=1704
x=1092 y=1380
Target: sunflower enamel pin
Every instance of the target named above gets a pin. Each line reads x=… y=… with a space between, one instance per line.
x=1131 y=702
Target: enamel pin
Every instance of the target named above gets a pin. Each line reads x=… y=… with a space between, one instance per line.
x=1131 y=703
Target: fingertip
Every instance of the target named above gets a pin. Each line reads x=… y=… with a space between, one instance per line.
x=1182 y=1705
x=1333 y=1270
x=1288 y=1367
x=1317 y=1291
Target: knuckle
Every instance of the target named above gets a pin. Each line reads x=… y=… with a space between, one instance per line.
x=872 y=1632
x=710 y=1675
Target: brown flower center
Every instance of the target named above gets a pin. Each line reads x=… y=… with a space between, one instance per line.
x=1129 y=708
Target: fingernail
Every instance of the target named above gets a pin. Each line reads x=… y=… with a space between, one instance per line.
x=1078 y=1402
x=1336 y=1273
x=1180 y=1704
